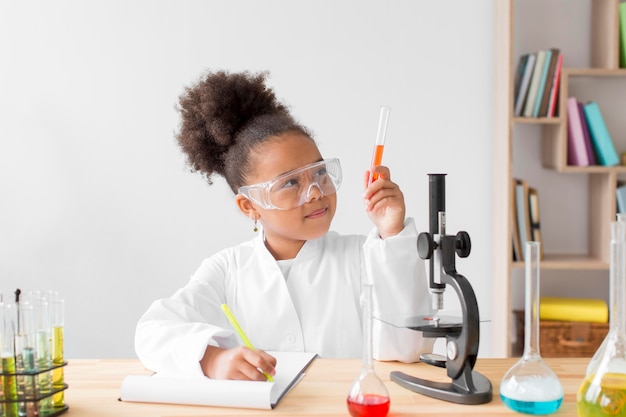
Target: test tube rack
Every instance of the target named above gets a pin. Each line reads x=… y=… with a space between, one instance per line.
x=29 y=401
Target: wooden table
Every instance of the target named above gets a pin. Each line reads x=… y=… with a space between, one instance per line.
x=94 y=389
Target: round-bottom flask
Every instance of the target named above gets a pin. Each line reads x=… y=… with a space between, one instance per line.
x=603 y=391
x=530 y=386
x=368 y=395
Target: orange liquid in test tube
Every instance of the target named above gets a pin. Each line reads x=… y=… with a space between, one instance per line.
x=377 y=158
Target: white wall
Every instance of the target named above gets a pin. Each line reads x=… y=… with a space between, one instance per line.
x=95 y=197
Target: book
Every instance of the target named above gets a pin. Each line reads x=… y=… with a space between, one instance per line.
x=535 y=225
x=545 y=97
x=620 y=198
x=517 y=247
x=576 y=150
x=290 y=367
x=542 y=82
x=523 y=214
x=519 y=74
x=622 y=35
x=520 y=98
x=600 y=137
x=554 y=93
x=534 y=84
x=586 y=134
x=573 y=309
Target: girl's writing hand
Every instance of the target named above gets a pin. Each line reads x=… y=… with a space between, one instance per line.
x=384 y=203
x=237 y=363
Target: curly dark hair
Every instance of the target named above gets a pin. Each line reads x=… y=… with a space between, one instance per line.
x=224 y=117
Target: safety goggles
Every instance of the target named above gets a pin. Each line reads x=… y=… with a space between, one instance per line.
x=293 y=189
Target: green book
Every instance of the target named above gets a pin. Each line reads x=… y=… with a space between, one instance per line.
x=622 y=35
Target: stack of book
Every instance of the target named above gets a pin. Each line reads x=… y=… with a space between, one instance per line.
x=588 y=139
x=573 y=309
x=525 y=218
x=537 y=82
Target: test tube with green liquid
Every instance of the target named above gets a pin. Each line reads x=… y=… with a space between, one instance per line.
x=57 y=319
x=25 y=360
x=8 y=321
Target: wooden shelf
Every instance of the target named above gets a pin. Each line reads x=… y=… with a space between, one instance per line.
x=568 y=262
x=602 y=33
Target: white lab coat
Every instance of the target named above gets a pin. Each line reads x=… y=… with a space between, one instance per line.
x=316 y=308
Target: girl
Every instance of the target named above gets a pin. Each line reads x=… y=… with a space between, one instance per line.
x=296 y=286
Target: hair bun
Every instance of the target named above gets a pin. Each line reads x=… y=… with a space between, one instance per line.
x=215 y=109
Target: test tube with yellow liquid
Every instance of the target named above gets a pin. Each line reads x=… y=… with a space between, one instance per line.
x=379 y=147
x=57 y=319
x=42 y=349
x=8 y=321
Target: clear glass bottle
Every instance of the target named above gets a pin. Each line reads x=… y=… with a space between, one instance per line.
x=530 y=386
x=603 y=391
x=368 y=395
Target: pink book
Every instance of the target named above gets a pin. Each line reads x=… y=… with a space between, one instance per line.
x=576 y=149
x=586 y=134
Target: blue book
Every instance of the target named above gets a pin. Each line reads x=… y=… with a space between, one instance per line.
x=600 y=137
x=542 y=82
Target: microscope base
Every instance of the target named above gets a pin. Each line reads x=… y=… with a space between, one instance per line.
x=479 y=393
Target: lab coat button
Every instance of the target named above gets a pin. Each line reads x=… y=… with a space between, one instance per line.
x=291 y=339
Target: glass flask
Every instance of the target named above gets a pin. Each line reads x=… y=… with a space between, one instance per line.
x=368 y=395
x=593 y=363
x=530 y=386
x=603 y=391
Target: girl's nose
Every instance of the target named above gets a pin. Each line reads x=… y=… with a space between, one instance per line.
x=313 y=192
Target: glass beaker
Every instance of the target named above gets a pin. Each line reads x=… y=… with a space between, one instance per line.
x=368 y=395
x=603 y=391
x=530 y=386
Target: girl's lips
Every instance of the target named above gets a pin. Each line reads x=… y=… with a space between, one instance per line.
x=317 y=213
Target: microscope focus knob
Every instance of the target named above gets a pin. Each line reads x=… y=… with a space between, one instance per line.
x=463 y=244
x=425 y=245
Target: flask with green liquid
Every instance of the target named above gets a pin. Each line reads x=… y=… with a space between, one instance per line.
x=603 y=391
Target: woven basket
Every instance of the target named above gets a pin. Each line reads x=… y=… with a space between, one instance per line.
x=563 y=339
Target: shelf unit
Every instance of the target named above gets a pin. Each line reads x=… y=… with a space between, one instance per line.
x=602 y=180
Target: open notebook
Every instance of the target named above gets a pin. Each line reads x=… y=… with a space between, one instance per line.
x=290 y=368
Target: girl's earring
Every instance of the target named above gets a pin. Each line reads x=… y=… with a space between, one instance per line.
x=256 y=229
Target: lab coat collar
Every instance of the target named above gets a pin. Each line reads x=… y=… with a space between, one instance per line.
x=311 y=248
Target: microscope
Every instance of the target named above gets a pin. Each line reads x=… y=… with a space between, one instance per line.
x=462 y=334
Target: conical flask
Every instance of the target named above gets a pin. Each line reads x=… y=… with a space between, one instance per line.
x=530 y=386
x=368 y=395
x=603 y=391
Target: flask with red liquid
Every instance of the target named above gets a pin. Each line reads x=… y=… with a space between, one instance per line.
x=368 y=395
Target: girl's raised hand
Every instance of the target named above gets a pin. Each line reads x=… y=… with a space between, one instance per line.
x=237 y=363
x=384 y=203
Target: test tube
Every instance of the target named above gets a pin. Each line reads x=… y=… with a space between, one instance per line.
x=379 y=147
x=25 y=360
x=57 y=319
x=8 y=321
x=42 y=349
